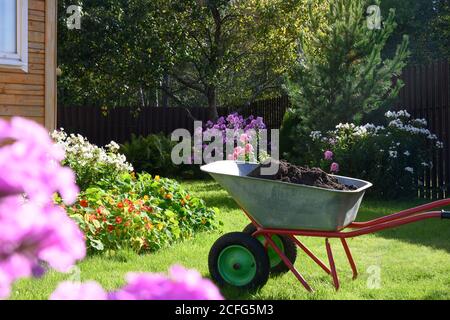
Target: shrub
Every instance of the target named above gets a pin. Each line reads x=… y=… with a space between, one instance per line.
x=392 y=156
x=152 y=154
x=143 y=212
x=91 y=164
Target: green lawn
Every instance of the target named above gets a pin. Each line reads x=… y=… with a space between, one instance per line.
x=413 y=261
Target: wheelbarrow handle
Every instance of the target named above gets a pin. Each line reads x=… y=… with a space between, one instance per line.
x=445 y=214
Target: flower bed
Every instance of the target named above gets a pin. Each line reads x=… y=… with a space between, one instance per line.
x=141 y=212
x=393 y=155
x=118 y=209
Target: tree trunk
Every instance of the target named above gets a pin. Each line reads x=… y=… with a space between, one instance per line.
x=212 y=104
x=156 y=98
x=165 y=96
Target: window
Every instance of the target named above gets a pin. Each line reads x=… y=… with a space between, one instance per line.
x=14 y=34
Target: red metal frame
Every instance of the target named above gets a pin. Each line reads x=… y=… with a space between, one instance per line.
x=358 y=228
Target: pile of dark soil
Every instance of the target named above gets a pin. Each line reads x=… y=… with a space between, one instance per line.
x=301 y=175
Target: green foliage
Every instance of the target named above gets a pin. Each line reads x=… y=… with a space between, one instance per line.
x=393 y=156
x=231 y=51
x=426 y=23
x=143 y=213
x=441 y=28
x=341 y=76
x=152 y=154
x=115 y=59
x=142 y=52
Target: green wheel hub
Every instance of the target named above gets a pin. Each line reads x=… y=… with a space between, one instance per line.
x=274 y=258
x=237 y=265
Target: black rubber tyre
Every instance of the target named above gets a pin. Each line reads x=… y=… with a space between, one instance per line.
x=225 y=265
x=289 y=249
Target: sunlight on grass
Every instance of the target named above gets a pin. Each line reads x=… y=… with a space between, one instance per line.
x=413 y=261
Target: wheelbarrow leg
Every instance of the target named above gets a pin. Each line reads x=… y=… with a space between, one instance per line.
x=332 y=265
x=350 y=258
x=288 y=263
x=310 y=254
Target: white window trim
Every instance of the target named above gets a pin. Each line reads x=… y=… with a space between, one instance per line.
x=19 y=60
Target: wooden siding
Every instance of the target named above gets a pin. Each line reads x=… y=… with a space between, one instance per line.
x=32 y=94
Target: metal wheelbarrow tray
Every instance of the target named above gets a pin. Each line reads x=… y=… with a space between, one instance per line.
x=281 y=205
x=281 y=212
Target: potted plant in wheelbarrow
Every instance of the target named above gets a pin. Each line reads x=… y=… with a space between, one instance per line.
x=295 y=201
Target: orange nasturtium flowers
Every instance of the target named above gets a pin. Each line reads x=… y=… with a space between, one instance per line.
x=84 y=203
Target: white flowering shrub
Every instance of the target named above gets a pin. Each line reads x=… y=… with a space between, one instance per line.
x=393 y=156
x=92 y=165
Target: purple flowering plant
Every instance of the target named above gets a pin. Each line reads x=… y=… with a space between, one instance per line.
x=244 y=134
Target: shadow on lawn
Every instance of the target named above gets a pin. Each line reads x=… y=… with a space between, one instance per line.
x=434 y=233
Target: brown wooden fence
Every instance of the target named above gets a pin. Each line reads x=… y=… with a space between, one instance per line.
x=426 y=95
x=119 y=124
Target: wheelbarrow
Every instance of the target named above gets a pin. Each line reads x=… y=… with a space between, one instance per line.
x=279 y=213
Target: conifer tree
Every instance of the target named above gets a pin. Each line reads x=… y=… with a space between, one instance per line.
x=341 y=75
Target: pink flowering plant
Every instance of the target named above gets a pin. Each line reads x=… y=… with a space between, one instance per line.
x=393 y=155
x=36 y=234
x=180 y=284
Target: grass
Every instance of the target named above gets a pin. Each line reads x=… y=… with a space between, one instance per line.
x=412 y=261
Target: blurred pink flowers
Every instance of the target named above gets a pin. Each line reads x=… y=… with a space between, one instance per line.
x=31 y=234
x=30 y=163
x=68 y=290
x=181 y=284
x=33 y=229
x=36 y=233
x=328 y=155
x=334 y=167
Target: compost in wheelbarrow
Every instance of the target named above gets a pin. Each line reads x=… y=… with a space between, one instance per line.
x=290 y=173
x=277 y=204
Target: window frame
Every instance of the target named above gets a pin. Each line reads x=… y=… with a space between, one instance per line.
x=18 y=60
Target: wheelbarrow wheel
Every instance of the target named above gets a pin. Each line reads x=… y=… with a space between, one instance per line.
x=239 y=260
x=287 y=246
